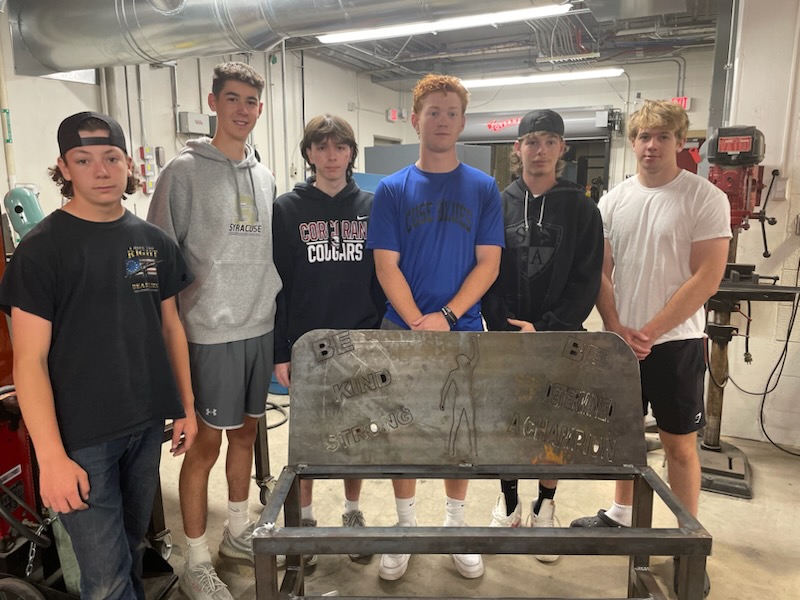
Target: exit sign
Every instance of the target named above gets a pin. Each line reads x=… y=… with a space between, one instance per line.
x=683 y=101
x=392 y=114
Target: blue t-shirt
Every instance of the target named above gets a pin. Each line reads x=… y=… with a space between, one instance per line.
x=435 y=220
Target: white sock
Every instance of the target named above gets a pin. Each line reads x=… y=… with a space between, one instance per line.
x=238 y=518
x=621 y=513
x=350 y=506
x=198 y=550
x=307 y=512
x=454 y=511
x=406 y=510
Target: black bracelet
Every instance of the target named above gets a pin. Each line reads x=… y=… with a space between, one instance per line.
x=450 y=316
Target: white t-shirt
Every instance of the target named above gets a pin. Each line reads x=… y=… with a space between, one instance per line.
x=651 y=231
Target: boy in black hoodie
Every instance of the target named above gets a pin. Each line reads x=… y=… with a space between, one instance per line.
x=319 y=232
x=549 y=271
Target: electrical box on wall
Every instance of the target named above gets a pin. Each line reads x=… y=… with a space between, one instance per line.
x=147 y=155
x=193 y=123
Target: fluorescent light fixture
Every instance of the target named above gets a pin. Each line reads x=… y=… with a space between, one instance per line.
x=553 y=77
x=509 y=16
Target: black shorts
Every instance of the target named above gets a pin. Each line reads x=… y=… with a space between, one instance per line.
x=672 y=384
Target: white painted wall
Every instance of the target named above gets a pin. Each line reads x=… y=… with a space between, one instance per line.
x=766 y=95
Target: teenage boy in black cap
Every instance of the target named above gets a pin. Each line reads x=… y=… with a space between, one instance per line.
x=549 y=271
x=94 y=275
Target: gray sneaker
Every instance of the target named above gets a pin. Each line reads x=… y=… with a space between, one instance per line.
x=310 y=560
x=355 y=518
x=240 y=547
x=201 y=582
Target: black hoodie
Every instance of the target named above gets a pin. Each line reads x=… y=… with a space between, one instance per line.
x=328 y=274
x=551 y=266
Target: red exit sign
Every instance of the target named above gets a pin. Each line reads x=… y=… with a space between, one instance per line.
x=735 y=144
x=683 y=101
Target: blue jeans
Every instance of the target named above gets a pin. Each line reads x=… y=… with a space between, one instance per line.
x=108 y=537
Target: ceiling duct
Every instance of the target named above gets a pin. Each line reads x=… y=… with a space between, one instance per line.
x=60 y=35
x=616 y=10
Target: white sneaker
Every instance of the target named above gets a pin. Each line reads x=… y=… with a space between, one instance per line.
x=545 y=518
x=501 y=519
x=469 y=566
x=394 y=566
x=201 y=582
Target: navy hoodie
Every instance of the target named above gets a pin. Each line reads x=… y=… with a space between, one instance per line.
x=328 y=275
x=551 y=266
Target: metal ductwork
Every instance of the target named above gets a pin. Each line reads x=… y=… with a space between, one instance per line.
x=65 y=35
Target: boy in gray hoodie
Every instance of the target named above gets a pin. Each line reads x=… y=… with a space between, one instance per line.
x=216 y=200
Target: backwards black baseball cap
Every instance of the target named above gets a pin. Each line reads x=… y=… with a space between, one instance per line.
x=69 y=138
x=541 y=120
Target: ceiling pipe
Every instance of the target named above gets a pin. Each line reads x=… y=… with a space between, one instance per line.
x=54 y=35
x=5 y=130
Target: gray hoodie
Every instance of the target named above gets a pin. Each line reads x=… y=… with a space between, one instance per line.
x=205 y=201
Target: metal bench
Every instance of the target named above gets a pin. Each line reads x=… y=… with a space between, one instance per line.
x=400 y=404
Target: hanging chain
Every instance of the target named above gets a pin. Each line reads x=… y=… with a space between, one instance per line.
x=32 y=552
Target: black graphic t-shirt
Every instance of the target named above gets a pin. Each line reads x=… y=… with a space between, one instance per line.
x=101 y=287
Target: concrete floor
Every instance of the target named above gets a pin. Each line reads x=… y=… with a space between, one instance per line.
x=756 y=542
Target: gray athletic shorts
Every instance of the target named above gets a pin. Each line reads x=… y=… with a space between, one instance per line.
x=231 y=380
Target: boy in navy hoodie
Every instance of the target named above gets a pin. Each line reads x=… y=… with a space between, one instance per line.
x=319 y=232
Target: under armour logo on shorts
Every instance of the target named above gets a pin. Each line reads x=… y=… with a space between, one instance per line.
x=213 y=412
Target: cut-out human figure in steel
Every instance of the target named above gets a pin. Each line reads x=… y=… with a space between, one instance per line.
x=463 y=398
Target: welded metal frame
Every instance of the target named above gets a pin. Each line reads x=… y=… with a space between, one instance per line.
x=691 y=541
x=596 y=365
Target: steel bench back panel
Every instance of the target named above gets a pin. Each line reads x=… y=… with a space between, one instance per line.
x=367 y=397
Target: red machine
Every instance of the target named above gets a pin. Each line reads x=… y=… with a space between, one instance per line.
x=16 y=471
x=734 y=154
x=16 y=461
x=16 y=456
